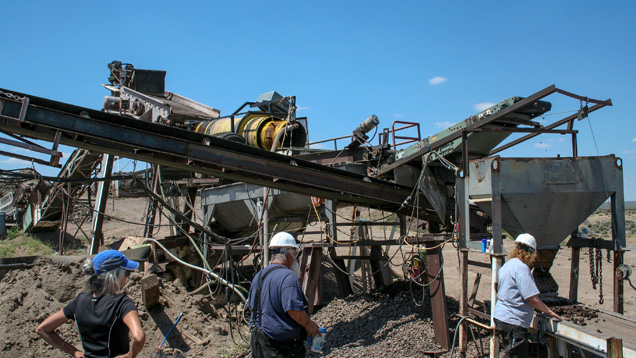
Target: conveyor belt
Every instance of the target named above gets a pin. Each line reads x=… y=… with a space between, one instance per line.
x=593 y=336
x=154 y=143
x=80 y=165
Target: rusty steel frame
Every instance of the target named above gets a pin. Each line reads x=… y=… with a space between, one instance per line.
x=408 y=139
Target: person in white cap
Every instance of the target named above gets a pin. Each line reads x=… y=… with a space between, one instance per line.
x=104 y=316
x=518 y=297
x=280 y=321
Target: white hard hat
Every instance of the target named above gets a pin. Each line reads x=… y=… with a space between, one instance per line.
x=283 y=239
x=527 y=239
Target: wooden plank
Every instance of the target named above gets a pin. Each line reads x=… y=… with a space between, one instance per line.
x=150 y=291
x=614 y=348
x=473 y=293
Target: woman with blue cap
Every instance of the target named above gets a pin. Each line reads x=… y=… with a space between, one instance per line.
x=103 y=314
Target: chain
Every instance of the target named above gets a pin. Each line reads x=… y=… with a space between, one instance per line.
x=596 y=269
x=11 y=96
x=599 y=272
x=592 y=271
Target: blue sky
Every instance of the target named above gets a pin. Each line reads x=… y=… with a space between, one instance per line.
x=435 y=63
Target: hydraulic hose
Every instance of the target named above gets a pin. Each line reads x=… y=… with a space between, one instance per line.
x=217 y=277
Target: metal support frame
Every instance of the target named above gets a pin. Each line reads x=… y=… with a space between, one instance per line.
x=463 y=298
x=574 y=272
x=435 y=277
x=310 y=278
x=66 y=205
x=151 y=213
x=100 y=204
x=339 y=266
x=265 y=227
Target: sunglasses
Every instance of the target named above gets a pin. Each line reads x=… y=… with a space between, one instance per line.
x=127 y=273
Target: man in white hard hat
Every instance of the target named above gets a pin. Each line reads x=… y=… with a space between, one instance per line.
x=280 y=321
x=518 y=297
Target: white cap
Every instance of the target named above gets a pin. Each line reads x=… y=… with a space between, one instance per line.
x=283 y=239
x=527 y=239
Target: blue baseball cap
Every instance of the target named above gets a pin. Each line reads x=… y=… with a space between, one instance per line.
x=111 y=259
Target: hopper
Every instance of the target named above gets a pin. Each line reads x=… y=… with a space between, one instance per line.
x=546 y=197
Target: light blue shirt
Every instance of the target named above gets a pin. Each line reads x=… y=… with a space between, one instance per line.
x=515 y=286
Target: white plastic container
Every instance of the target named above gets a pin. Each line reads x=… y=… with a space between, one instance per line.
x=316 y=343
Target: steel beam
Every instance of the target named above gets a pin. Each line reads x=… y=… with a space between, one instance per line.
x=435 y=278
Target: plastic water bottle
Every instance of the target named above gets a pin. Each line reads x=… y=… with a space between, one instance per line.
x=316 y=344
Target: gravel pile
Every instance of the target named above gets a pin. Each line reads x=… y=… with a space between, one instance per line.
x=384 y=323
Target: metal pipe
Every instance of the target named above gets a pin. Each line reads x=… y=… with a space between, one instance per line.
x=479 y=324
x=496 y=265
x=463 y=299
x=209 y=272
x=265 y=221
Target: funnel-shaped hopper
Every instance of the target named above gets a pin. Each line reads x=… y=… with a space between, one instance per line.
x=236 y=208
x=546 y=197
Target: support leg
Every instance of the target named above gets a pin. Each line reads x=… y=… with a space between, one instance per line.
x=438 y=295
x=463 y=300
x=100 y=204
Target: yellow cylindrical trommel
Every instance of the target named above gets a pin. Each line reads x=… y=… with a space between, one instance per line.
x=216 y=126
x=258 y=130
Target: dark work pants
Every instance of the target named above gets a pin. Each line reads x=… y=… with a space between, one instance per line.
x=515 y=339
x=264 y=347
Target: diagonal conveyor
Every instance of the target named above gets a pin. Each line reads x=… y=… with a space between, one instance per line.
x=154 y=143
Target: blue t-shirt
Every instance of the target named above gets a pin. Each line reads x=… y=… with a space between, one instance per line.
x=515 y=286
x=281 y=292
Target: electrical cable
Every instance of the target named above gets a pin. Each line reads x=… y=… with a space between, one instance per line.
x=211 y=273
x=452 y=353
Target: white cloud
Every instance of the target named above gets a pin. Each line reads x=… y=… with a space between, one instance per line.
x=627 y=151
x=437 y=80
x=398 y=115
x=298 y=109
x=634 y=140
x=483 y=105
x=15 y=161
x=443 y=124
x=552 y=140
x=542 y=145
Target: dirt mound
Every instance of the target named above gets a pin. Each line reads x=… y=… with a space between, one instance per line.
x=28 y=296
